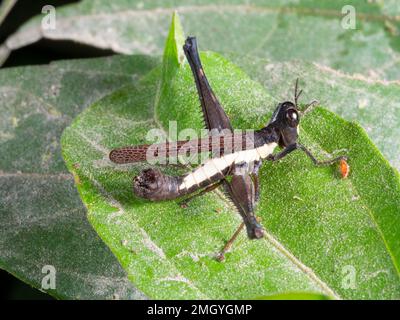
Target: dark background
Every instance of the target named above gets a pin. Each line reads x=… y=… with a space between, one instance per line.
x=42 y=52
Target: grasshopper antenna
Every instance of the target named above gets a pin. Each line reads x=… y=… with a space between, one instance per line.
x=297 y=93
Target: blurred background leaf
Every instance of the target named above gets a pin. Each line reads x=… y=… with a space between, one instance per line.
x=42 y=219
x=280 y=30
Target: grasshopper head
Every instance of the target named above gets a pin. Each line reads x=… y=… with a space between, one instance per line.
x=285 y=120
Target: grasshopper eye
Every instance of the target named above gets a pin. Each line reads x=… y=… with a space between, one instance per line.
x=292 y=117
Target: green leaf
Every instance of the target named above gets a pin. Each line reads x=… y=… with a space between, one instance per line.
x=42 y=219
x=321 y=230
x=280 y=29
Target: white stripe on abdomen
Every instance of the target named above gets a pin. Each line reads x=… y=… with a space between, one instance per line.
x=216 y=165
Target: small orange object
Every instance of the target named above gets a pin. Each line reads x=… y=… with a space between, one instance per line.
x=344 y=168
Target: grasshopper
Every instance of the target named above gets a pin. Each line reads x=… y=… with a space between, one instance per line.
x=234 y=168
